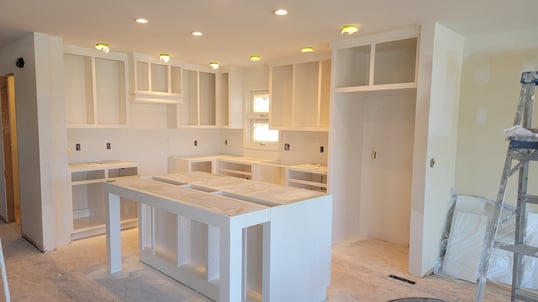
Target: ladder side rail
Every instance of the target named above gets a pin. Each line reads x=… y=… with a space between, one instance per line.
x=528 y=104
x=520 y=229
x=492 y=228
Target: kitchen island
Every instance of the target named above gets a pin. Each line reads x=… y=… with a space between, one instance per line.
x=229 y=238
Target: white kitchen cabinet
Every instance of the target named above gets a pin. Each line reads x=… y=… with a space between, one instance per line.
x=236 y=168
x=229 y=91
x=377 y=65
x=179 y=164
x=94 y=88
x=300 y=94
x=199 y=105
x=153 y=81
x=89 y=200
x=307 y=176
x=393 y=136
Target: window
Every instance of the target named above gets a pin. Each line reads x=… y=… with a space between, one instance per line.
x=259 y=135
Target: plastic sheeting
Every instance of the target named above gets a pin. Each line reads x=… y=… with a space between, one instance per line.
x=464 y=240
x=500 y=267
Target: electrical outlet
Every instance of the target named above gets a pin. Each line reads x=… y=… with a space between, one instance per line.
x=108 y=146
x=287 y=147
x=195 y=143
x=321 y=149
x=77 y=147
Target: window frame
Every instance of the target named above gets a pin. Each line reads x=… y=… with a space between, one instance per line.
x=252 y=117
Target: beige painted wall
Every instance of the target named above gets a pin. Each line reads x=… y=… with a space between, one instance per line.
x=490 y=90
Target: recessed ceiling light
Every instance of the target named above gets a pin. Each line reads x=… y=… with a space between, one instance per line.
x=307 y=49
x=255 y=58
x=214 y=65
x=196 y=33
x=164 y=57
x=280 y=12
x=141 y=20
x=349 y=29
x=102 y=47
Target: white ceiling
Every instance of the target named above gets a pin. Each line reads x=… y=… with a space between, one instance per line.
x=235 y=29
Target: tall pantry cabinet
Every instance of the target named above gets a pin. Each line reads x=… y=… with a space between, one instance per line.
x=393 y=130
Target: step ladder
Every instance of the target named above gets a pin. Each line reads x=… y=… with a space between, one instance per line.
x=521 y=151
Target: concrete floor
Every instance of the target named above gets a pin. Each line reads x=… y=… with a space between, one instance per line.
x=360 y=270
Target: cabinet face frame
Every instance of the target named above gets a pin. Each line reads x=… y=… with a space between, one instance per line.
x=93 y=108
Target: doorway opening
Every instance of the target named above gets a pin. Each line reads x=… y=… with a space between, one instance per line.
x=10 y=209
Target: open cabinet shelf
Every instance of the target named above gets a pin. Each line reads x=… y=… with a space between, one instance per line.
x=89 y=200
x=382 y=65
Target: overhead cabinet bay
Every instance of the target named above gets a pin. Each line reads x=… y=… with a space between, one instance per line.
x=94 y=88
x=189 y=92
x=300 y=94
x=377 y=66
x=199 y=104
x=153 y=81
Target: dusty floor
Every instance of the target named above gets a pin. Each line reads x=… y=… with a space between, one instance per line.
x=360 y=270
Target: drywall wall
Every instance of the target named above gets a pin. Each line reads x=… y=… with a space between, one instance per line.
x=490 y=91
x=436 y=120
x=44 y=185
x=149 y=147
x=304 y=147
x=26 y=99
x=345 y=165
x=55 y=179
x=386 y=169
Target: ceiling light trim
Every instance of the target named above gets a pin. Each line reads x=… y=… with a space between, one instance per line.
x=280 y=12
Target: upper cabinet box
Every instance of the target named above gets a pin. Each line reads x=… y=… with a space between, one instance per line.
x=376 y=64
x=198 y=105
x=153 y=81
x=94 y=88
x=300 y=94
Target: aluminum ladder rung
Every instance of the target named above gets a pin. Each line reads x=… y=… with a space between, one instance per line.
x=522 y=249
x=526 y=295
x=530 y=199
x=524 y=156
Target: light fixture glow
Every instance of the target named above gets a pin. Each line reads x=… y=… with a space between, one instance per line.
x=255 y=58
x=307 y=49
x=164 y=57
x=214 y=65
x=349 y=29
x=196 y=33
x=102 y=47
x=280 y=12
x=141 y=20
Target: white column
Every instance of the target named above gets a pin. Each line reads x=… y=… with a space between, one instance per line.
x=113 y=235
x=230 y=262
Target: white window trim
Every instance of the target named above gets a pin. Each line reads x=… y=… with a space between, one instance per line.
x=252 y=116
